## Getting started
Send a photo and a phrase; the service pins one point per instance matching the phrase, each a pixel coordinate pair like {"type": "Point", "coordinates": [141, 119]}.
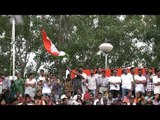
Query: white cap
{"type": "Point", "coordinates": [75, 103]}
{"type": "Point", "coordinates": [63, 96]}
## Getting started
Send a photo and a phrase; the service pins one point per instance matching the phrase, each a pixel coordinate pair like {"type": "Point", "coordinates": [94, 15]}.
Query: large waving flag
{"type": "Point", "coordinates": [50, 47]}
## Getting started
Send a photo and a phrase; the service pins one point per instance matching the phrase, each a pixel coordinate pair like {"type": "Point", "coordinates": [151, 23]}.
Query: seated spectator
{"type": "Point", "coordinates": [79, 100]}
{"type": "Point", "coordinates": [38, 93]}
{"type": "Point", "coordinates": [48, 100]}
{"type": "Point", "coordinates": [98, 102]}
{"type": "Point", "coordinates": [143, 99]}
{"type": "Point", "coordinates": [64, 101]}
{"type": "Point", "coordinates": [131, 101]}
{"type": "Point", "coordinates": [156, 100]}
{"type": "Point", "coordinates": [149, 102]}
{"type": "Point", "coordinates": [78, 93]}
{"type": "Point", "coordinates": [124, 103]}
{"type": "Point", "coordinates": [86, 95]}
{"type": "Point", "coordinates": [110, 98]}
{"type": "Point", "coordinates": [104, 100]}
{"type": "Point", "coordinates": [3, 102]}
{"type": "Point", "coordinates": [149, 96]}
{"type": "Point", "coordinates": [138, 97]}
{"type": "Point", "coordinates": [98, 99]}
{"type": "Point", "coordinates": [54, 95]}
{"type": "Point", "coordinates": [126, 98]}
{"type": "Point", "coordinates": [28, 100]}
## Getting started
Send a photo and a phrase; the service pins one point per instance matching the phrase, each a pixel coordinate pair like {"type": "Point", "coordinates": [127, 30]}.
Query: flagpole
{"type": "Point", "coordinates": [13, 44]}
{"type": "Point", "coordinates": [14, 19]}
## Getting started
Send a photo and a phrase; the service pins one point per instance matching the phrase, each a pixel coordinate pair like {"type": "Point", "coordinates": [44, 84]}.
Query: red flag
{"type": "Point", "coordinates": [49, 46]}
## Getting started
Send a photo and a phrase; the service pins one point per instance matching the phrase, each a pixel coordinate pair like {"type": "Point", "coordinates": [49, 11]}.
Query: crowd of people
{"type": "Point", "coordinates": [93, 89]}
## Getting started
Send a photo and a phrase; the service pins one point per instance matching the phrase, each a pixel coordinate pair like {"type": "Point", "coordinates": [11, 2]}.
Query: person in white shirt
{"type": "Point", "coordinates": [91, 82]}
{"type": "Point", "coordinates": [98, 75]}
{"type": "Point", "coordinates": [84, 75]}
{"type": "Point", "coordinates": [114, 82]}
{"type": "Point", "coordinates": [46, 86]}
{"type": "Point", "coordinates": [69, 97]}
{"type": "Point", "coordinates": [6, 84]}
{"type": "Point", "coordinates": [99, 98]}
{"type": "Point", "coordinates": [132, 71]}
{"type": "Point", "coordinates": [156, 81]}
{"type": "Point", "coordinates": [140, 81]}
{"type": "Point", "coordinates": [78, 94]}
{"type": "Point", "coordinates": [103, 83]}
{"type": "Point", "coordinates": [42, 76]}
{"type": "Point", "coordinates": [30, 85]}
{"type": "Point", "coordinates": [127, 81]}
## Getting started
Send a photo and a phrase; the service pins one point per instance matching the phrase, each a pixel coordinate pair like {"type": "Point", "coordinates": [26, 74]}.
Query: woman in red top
{"type": "Point", "coordinates": [138, 97]}
{"type": "Point", "coordinates": [126, 98]}
{"type": "Point", "coordinates": [86, 95]}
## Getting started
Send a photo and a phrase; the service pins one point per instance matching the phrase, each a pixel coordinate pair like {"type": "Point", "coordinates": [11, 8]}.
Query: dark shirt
{"type": "Point", "coordinates": [77, 83]}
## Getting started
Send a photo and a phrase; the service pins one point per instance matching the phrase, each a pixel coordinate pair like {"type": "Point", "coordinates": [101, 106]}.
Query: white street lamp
{"type": "Point", "coordinates": [14, 19]}
{"type": "Point", "coordinates": [106, 48]}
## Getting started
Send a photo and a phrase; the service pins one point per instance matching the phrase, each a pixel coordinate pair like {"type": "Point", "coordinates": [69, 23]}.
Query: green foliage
{"type": "Point", "coordinates": [80, 37]}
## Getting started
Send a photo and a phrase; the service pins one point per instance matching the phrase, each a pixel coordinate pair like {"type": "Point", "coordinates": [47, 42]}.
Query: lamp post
{"type": "Point", "coordinates": [19, 20]}
{"type": "Point", "coordinates": [106, 48]}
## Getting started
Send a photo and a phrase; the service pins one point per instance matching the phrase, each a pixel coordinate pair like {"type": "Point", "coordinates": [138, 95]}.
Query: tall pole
{"type": "Point", "coordinates": [13, 43]}
{"type": "Point", "coordinates": [106, 65]}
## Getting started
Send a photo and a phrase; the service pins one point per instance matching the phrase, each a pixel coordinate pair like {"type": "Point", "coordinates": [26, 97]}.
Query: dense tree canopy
{"type": "Point", "coordinates": [135, 39]}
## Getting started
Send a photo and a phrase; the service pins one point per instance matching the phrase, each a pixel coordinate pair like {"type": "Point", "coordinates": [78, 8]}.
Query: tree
{"type": "Point", "coordinates": [134, 37]}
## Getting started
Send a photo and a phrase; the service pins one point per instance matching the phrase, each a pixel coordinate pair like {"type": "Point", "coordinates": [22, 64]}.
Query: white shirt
{"type": "Point", "coordinates": [30, 90]}
{"type": "Point", "coordinates": [98, 77]}
{"type": "Point", "coordinates": [83, 82]}
{"type": "Point", "coordinates": [46, 89]}
{"type": "Point", "coordinates": [6, 83]}
{"type": "Point", "coordinates": [84, 75]}
{"type": "Point", "coordinates": [41, 78]}
{"type": "Point", "coordinates": [33, 81]}
{"type": "Point", "coordinates": [140, 87]}
{"type": "Point", "coordinates": [95, 101]}
{"type": "Point", "coordinates": [103, 81]}
{"type": "Point", "coordinates": [63, 96]}
{"type": "Point", "coordinates": [114, 79]}
{"type": "Point", "coordinates": [67, 72]}
{"type": "Point", "coordinates": [91, 82]}
{"type": "Point", "coordinates": [11, 78]}
{"type": "Point", "coordinates": [156, 88]}
{"type": "Point", "coordinates": [76, 96]}
{"type": "Point", "coordinates": [126, 81]}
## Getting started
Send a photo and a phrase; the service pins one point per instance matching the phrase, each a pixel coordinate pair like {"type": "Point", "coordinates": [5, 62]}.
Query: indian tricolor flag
{"type": "Point", "coordinates": [50, 47]}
